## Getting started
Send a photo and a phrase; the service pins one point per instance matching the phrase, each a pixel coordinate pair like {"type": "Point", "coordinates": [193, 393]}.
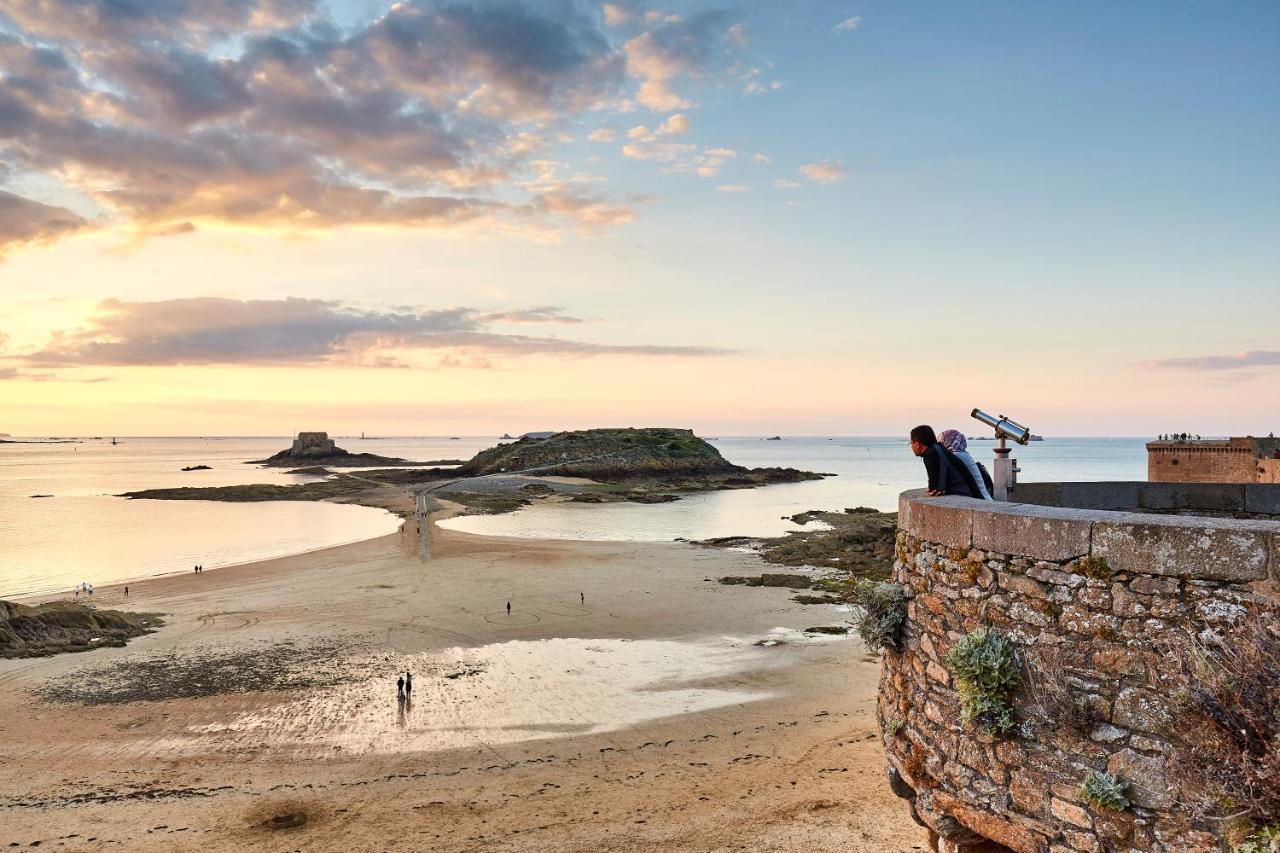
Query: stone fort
{"type": "Point", "coordinates": [312, 444]}
{"type": "Point", "coordinates": [1232, 460]}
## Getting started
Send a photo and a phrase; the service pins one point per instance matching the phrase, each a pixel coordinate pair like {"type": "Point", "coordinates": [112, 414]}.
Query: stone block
{"type": "Point", "coordinates": [1145, 774]}
{"type": "Point", "coordinates": [1216, 549]}
{"type": "Point", "coordinates": [1215, 497]}
{"type": "Point", "coordinates": [1154, 586]}
{"type": "Point", "coordinates": [1032, 531]}
{"type": "Point", "coordinates": [1048, 574]}
{"type": "Point", "coordinates": [946, 521]}
{"type": "Point", "coordinates": [1023, 585]}
{"type": "Point", "coordinates": [984, 824]}
{"type": "Point", "coordinates": [1143, 710]}
{"type": "Point", "coordinates": [1262, 497]}
{"type": "Point", "coordinates": [1070, 813]}
{"type": "Point", "coordinates": [1111, 497]}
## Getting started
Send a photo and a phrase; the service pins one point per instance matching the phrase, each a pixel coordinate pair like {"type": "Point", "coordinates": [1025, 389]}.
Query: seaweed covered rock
{"type": "Point", "coordinates": [48, 629]}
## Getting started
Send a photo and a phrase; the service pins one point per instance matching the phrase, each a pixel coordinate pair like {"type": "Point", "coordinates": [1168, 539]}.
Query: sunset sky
{"type": "Point", "coordinates": [261, 216]}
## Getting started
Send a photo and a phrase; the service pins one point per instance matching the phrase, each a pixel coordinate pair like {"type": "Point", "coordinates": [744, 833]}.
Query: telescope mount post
{"type": "Point", "coordinates": [1005, 475]}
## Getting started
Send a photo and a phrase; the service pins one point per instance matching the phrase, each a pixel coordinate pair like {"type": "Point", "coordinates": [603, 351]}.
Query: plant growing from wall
{"type": "Point", "coordinates": [1262, 839]}
{"type": "Point", "coordinates": [1104, 791]}
{"type": "Point", "coordinates": [884, 608]}
{"type": "Point", "coordinates": [1095, 567]}
{"type": "Point", "coordinates": [985, 667]}
{"type": "Point", "coordinates": [1227, 741]}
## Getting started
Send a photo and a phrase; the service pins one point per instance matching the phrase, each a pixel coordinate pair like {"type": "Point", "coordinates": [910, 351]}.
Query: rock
{"type": "Point", "coordinates": [197, 468]}
{"type": "Point", "coordinates": [791, 581]}
{"type": "Point", "coordinates": [54, 627]}
{"type": "Point", "coordinates": [1150, 789]}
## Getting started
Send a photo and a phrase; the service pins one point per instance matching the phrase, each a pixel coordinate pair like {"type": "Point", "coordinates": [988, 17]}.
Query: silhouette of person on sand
{"type": "Point", "coordinates": [408, 684]}
{"type": "Point", "coordinates": [508, 608]}
{"type": "Point", "coordinates": [400, 687]}
{"type": "Point", "coordinates": [582, 596]}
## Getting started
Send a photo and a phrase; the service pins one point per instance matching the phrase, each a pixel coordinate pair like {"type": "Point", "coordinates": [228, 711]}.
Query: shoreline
{"type": "Point", "coordinates": [794, 765]}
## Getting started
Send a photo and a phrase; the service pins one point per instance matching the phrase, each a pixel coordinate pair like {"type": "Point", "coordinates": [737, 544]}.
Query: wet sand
{"type": "Point", "coordinates": [264, 715]}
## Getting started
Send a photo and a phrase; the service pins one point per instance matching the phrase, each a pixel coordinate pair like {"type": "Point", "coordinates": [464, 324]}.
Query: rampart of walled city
{"type": "Point", "coordinates": [1232, 460]}
{"type": "Point", "coordinates": [1103, 599]}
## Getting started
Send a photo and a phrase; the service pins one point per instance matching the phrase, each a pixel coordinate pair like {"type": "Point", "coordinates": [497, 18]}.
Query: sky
{"type": "Point", "coordinates": [231, 217]}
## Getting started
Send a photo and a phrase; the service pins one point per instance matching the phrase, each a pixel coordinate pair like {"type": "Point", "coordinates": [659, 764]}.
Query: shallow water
{"type": "Point", "coordinates": [509, 692]}
{"type": "Point", "coordinates": [871, 472]}
{"type": "Point", "coordinates": [83, 533]}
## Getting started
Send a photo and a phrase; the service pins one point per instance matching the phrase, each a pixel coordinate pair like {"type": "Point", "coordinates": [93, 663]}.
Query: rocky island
{"type": "Point", "coordinates": [645, 465]}
{"type": "Point", "coordinates": [316, 448]}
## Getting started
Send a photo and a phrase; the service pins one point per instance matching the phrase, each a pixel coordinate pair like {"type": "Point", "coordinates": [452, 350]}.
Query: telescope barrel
{"type": "Point", "coordinates": [1004, 427]}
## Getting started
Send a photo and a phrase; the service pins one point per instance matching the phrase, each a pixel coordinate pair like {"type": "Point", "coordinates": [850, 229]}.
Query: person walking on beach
{"type": "Point", "coordinates": [947, 474]}
{"type": "Point", "coordinates": [126, 592]}
{"type": "Point", "coordinates": [508, 608]}
{"type": "Point", "coordinates": [582, 597]}
{"type": "Point", "coordinates": [408, 683]}
{"type": "Point", "coordinates": [400, 687]}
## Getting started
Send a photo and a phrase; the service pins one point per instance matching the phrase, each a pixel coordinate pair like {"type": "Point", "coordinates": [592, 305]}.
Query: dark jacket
{"type": "Point", "coordinates": [948, 474]}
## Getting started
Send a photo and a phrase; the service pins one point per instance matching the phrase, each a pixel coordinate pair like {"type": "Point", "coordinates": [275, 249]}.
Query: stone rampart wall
{"type": "Point", "coordinates": [1097, 604]}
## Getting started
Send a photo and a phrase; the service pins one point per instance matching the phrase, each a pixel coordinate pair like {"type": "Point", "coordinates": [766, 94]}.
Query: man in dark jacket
{"type": "Point", "coordinates": [947, 474]}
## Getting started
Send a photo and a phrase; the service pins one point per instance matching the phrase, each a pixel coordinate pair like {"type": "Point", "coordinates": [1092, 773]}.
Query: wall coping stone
{"type": "Point", "coordinates": [1203, 547]}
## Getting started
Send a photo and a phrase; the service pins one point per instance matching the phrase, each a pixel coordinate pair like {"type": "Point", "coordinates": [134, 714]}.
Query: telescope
{"type": "Point", "coordinates": [1004, 476]}
{"type": "Point", "coordinates": [1004, 427]}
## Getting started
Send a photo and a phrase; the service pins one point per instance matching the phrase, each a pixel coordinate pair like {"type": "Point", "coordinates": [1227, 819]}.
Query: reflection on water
{"type": "Point", "coordinates": [506, 692]}
{"type": "Point", "coordinates": [80, 532]}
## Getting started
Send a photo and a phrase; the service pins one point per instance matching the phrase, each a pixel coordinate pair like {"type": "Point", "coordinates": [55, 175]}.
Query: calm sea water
{"type": "Point", "coordinates": [84, 533]}
{"type": "Point", "coordinates": [872, 472]}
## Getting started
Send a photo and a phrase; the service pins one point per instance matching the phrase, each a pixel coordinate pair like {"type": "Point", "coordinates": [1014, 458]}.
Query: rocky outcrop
{"type": "Point", "coordinates": [55, 627]}
{"type": "Point", "coordinates": [675, 457]}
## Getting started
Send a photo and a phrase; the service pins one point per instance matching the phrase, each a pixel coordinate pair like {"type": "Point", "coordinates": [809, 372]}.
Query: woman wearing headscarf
{"type": "Point", "coordinates": [954, 440]}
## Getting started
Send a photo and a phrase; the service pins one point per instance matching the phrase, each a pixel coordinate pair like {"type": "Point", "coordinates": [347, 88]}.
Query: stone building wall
{"type": "Point", "coordinates": [1235, 460]}
{"type": "Point", "coordinates": [1093, 601]}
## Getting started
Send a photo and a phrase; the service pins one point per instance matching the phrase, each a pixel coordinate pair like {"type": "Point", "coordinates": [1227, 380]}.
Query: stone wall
{"type": "Point", "coordinates": [1235, 460]}
{"type": "Point", "coordinates": [1097, 604]}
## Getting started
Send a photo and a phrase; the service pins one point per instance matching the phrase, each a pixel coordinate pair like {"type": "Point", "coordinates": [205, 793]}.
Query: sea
{"type": "Point", "coordinates": [63, 524]}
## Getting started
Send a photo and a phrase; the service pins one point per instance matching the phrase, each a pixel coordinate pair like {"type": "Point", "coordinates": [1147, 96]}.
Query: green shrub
{"type": "Point", "coordinates": [1105, 791]}
{"type": "Point", "coordinates": [884, 607]}
{"type": "Point", "coordinates": [892, 727]}
{"type": "Point", "coordinates": [985, 667]}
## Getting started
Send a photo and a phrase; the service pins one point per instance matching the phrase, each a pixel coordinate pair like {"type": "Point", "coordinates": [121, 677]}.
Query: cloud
{"type": "Point", "coordinates": [732, 188]}
{"type": "Point", "coordinates": [677, 47]}
{"type": "Point", "coordinates": [675, 125]}
{"type": "Point", "coordinates": [173, 114]}
{"type": "Point", "coordinates": [305, 332]}
{"type": "Point", "coordinates": [825, 172]}
{"type": "Point", "coordinates": [25, 221]}
{"type": "Point", "coordinates": [603, 134]}
{"type": "Point", "coordinates": [848, 25]}
{"type": "Point", "coordinates": [1236, 361]}
{"type": "Point", "coordinates": [783, 184]}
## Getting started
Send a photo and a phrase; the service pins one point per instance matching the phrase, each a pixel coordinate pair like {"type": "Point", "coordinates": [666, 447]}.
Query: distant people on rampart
{"type": "Point", "coordinates": [947, 474]}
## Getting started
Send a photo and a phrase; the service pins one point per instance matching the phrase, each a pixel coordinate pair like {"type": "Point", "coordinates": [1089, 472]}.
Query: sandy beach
{"type": "Point", "coordinates": [627, 702]}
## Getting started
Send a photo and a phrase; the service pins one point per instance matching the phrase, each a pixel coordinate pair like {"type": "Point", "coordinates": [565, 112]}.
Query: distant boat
{"type": "Point", "coordinates": [114, 442]}
{"type": "Point", "coordinates": [774, 438]}
{"type": "Point", "coordinates": [454, 438]}
{"type": "Point", "coordinates": [1037, 438]}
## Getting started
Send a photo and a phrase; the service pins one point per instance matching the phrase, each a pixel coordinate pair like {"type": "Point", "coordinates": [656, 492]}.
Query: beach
{"type": "Point", "coordinates": [627, 702]}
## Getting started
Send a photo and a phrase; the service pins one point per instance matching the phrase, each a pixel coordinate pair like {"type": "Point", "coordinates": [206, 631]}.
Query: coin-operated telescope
{"type": "Point", "coordinates": [1005, 474]}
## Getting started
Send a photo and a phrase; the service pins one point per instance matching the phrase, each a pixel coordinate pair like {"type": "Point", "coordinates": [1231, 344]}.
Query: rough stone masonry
{"type": "Point", "coordinates": [1097, 603]}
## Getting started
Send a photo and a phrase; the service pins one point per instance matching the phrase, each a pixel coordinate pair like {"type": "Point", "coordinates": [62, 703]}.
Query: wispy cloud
{"type": "Point", "coordinates": [306, 332]}
{"type": "Point", "coordinates": [1236, 361]}
{"type": "Point", "coordinates": [732, 188]}
{"type": "Point", "coordinates": [848, 25]}
{"type": "Point", "coordinates": [825, 172]}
